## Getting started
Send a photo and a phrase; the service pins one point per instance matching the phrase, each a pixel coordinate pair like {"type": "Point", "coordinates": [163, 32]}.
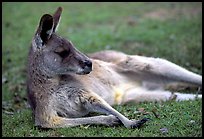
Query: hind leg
{"type": "Point", "coordinates": [156, 70]}
{"type": "Point", "coordinates": [144, 95]}
{"type": "Point", "coordinates": [151, 69]}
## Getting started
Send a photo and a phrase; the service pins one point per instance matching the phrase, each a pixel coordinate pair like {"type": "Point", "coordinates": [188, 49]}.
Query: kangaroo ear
{"type": "Point", "coordinates": [56, 17]}
{"type": "Point", "coordinates": [44, 30]}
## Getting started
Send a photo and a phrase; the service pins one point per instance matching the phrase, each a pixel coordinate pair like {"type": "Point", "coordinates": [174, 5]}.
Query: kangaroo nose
{"type": "Point", "coordinates": [88, 63]}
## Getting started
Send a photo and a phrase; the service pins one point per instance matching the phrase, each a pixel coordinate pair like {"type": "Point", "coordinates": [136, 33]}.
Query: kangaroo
{"type": "Point", "coordinates": [65, 85]}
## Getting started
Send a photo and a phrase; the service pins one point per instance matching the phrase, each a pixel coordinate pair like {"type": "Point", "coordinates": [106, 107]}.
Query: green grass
{"type": "Point", "coordinates": [169, 30]}
{"type": "Point", "coordinates": [181, 119]}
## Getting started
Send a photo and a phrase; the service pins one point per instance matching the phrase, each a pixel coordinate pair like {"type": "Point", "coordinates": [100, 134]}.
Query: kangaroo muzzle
{"type": "Point", "coordinates": [85, 67]}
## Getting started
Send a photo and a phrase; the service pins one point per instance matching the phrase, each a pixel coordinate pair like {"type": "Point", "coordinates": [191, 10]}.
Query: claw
{"type": "Point", "coordinates": [140, 123]}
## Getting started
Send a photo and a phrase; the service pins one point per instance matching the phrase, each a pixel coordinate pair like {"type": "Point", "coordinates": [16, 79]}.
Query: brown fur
{"type": "Point", "coordinates": [64, 85]}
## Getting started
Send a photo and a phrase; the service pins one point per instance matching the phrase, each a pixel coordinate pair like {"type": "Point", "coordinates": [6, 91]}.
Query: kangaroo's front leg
{"type": "Point", "coordinates": [60, 122]}
{"type": "Point", "coordinates": [108, 120]}
{"type": "Point", "coordinates": [66, 109]}
{"type": "Point", "coordinates": [49, 118]}
{"type": "Point", "coordinates": [95, 103]}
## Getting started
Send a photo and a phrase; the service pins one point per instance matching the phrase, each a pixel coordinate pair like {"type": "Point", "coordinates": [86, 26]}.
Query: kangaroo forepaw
{"type": "Point", "coordinates": [139, 123]}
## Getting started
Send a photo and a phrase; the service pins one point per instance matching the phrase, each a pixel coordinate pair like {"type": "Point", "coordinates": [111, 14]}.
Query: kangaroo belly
{"type": "Point", "coordinates": [121, 90]}
{"type": "Point", "coordinates": [115, 94]}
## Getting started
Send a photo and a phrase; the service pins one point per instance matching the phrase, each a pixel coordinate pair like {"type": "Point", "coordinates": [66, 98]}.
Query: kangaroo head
{"type": "Point", "coordinates": [56, 54]}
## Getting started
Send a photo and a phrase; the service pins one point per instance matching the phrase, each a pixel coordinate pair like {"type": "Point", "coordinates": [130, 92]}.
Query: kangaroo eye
{"type": "Point", "coordinates": [59, 49]}
{"type": "Point", "coordinates": [62, 52]}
